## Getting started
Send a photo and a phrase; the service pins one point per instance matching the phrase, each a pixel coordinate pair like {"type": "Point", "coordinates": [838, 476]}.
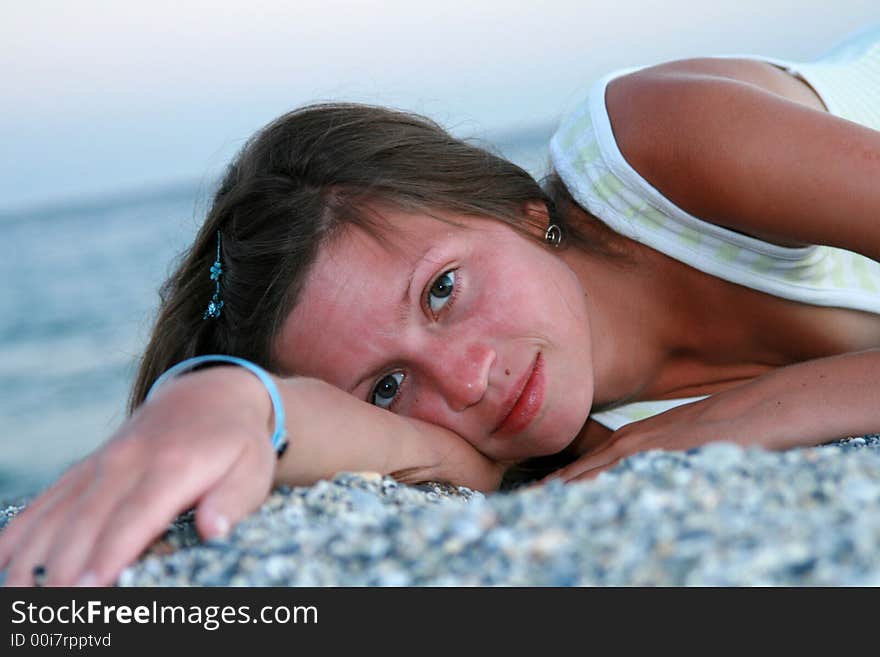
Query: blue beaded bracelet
{"type": "Point", "coordinates": [279, 438]}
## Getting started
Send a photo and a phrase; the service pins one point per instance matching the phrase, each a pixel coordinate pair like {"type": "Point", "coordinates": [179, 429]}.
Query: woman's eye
{"type": "Point", "coordinates": [441, 289]}
{"type": "Point", "coordinates": [386, 390]}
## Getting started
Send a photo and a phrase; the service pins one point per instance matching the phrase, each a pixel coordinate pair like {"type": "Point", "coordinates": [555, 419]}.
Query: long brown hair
{"type": "Point", "coordinates": [291, 188]}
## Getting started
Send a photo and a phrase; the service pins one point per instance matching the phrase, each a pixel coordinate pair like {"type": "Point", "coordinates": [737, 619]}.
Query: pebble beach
{"type": "Point", "coordinates": [719, 515]}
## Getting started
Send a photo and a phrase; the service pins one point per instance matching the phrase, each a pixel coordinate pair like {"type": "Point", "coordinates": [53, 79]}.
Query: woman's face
{"type": "Point", "coordinates": [473, 327]}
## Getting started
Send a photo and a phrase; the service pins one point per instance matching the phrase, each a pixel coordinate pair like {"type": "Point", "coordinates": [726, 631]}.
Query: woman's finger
{"type": "Point", "coordinates": [85, 520]}
{"type": "Point", "coordinates": [146, 512]}
{"type": "Point", "coordinates": [44, 526]}
{"type": "Point", "coordinates": [566, 472]}
{"type": "Point", "coordinates": [236, 495]}
{"type": "Point", "coordinates": [18, 527]}
{"type": "Point", "coordinates": [577, 469]}
{"type": "Point", "coordinates": [594, 472]}
{"type": "Point", "coordinates": [587, 462]}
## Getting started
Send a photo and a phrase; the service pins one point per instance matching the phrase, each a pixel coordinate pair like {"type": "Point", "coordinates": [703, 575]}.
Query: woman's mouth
{"type": "Point", "coordinates": [526, 402]}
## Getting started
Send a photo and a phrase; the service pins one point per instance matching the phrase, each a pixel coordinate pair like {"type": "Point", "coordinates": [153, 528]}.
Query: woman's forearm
{"type": "Point", "coordinates": [806, 403]}
{"type": "Point", "coordinates": [330, 431]}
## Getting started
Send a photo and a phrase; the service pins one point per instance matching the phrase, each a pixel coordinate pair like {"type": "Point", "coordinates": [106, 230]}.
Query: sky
{"type": "Point", "coordinates": [105, 97]}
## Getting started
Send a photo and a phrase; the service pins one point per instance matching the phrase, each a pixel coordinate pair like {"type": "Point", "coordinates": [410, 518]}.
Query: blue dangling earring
{"type": "Point", "coordinates": [216, 303]}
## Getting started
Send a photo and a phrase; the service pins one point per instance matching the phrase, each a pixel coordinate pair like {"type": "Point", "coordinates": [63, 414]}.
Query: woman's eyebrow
{"type": "Point", "coordinates": [404, 308]}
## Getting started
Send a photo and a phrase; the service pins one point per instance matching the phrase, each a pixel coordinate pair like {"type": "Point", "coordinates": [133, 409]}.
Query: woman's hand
{"type": "Point", "coordinates": [796, 406]}
{"type": "Point", "coordinates": [202, 441]}
{"type": "Point", "coordinates": [680, 428]}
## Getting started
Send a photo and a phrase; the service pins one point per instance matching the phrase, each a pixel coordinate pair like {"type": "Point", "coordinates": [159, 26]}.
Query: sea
{"type": "Point", "coordinates": [78, 293]}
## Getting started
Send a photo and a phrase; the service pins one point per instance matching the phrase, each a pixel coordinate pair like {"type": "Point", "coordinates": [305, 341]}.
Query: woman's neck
{"type": "Point", "coordinates": [654, 327]}
{"type": "Point", "coordinates": [625, 323]}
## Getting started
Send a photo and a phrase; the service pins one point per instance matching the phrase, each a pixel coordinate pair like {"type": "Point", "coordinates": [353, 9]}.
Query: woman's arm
{"type": "Point", "coordinates": [202, 441]}
{"type": "Point", "coordinates": [331, 431]}
{"type": "Point", "coordinates": [800, 405]}
{"type": "Point", "coordinates": [733, 143]}
{"type": "Point", "coordinates": [739, 149]}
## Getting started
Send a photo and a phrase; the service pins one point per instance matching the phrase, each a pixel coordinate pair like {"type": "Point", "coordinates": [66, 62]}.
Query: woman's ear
{"type": "Point", "coordinates": [537, 217]}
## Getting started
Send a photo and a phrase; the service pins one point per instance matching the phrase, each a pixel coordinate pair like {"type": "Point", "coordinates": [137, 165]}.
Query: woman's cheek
{"type": "Point", "coordinates": [430, 407]}
{"type": "Point", "coordinates": [416, 406]}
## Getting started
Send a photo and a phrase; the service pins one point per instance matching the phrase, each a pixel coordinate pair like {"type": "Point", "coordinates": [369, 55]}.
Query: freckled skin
{"type": "Point", "coordinates": [513, 298]}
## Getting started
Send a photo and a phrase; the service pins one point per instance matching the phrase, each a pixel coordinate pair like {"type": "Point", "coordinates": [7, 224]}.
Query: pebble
{"type": "Point", "coordinates": [717, 515]}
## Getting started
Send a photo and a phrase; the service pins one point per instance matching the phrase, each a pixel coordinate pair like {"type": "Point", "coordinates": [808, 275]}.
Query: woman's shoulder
{"type": "Point", "coordinates": [692, 128]}
{"type": "Point", "coordinates": [639, 90]}
{"type": "Point", "coordinates": [661, 137]}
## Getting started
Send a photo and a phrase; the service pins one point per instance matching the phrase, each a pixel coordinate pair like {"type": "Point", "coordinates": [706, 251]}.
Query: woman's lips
{"type": "Point", "coordinates": [527, 404]}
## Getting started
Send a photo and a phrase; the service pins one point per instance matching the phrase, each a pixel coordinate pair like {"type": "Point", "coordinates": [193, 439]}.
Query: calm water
{"type": "Point", "coordinates": [78, 292]}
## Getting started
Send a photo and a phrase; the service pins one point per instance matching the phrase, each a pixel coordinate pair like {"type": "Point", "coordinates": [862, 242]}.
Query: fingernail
{"type": "Point", "coordinates": [89, 579]}
{"type": "Point", "coordinates": [221, 526]}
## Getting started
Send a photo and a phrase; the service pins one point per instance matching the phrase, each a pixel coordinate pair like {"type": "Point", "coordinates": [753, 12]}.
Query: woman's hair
{"type": "Point", "coordinates": [294, 185]}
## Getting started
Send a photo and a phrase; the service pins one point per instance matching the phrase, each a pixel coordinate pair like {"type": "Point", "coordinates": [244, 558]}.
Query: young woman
{"type": "Point", "coordinates": [701, 265]}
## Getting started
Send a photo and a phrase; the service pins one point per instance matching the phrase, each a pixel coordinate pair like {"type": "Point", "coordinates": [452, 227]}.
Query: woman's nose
{"type": "Point", "coordinates": [462, 373]}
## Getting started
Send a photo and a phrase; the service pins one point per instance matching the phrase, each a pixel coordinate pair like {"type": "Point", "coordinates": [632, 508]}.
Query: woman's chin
{"type": "Point", "coordinates": [534, 446]}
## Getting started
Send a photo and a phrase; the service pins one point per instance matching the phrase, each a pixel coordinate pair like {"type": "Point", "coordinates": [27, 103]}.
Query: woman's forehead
{"type": "Point", "coordinates": [354, 287]}
{"type": "Point", "coordinates": [397, 238]}
{"type": "Point", "coordinates": [362, 252]}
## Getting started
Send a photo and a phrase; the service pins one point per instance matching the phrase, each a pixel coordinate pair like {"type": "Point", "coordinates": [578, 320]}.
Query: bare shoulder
{"type": "Point", "coordinates": [703, 130]}
{"type": "Point", "coordinates": [703, 71]}
{"type": "Point", "coordinates": [654, 111]}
